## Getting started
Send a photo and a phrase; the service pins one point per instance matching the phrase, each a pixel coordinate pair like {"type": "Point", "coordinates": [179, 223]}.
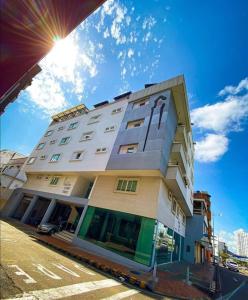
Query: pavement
{"type": "Point", "coordinates": [232, 285]}
{"type": "Point", "coordinates": [44, 258]}
{"type": "Point", "coordinates": [30, 270]}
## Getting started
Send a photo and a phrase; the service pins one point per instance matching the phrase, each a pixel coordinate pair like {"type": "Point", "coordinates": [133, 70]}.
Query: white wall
{"type": "Point", "coordinates": [91, 161]}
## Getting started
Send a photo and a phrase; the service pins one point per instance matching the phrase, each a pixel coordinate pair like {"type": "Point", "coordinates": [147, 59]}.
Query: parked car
{"type": "Point", "coordinates": [47, 228]}
{"type": "Point", "coordinates": [233, 266]}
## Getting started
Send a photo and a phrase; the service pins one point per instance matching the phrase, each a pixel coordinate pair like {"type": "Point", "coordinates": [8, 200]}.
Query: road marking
{"type": "Point", "coordinates": [122, 295]}
{"type": "Point", "coordinates": [68, 290]}
{"type": "Point", "coordinates": [20, 272]}
{"type": "Point", "coordinates": [83, 269]}
{"type": "Point", "coordinates": [47, 272]}
{"type": "Point", "coordinates": [65, 269]}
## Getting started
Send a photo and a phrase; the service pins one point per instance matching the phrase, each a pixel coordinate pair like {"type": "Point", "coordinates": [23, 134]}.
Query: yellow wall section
{"type": "Point", "coordinates": [144, 202]}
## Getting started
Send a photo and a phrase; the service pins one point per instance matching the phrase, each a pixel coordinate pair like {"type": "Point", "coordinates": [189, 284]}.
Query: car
{"type": "Point", "coordinates": [232, 266]}
{"type": "Point", "coordinates": [47, 228]}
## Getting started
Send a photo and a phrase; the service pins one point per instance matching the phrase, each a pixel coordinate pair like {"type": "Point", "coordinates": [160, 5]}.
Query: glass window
{"type": "Point", "coordinates": [87, 136]}
{"type": "Point", "coordinates": [125, 149]}
{"type": "Point", "coordinates": [140, 103]}
{"type": "Point", "coordinates": [174, 205]}
{"type": "Point", "coordinates": [60, 128]}
{"type": "Point", "coordinates": [126, 185]}
{"type": "Point", "coordinates": [40, 146]}
{"type": "Point", "coordinates": [49, 132]}
{"type": "Point", "coordinates": [52, 142]}
{"type": "Point", "coordinates": [77, 155]}
{"type": "Point", "coordinates": [164, 244]}
{"type": "Point", "coordinates": [110, 128]}
{"type": "Point", "coordinates": [42, 157]}
{"type": "Point", "coordinates": [31, 160]}
{"type": "Point", "coordinates": [73, 125]}
{"type": "Point", "coordinates": [116, 110]}
{"type": "Point", "coordinates": [94, 119]}
{"type": "Point", "coordinates": [54, 180]}
{"type": "Point", "coordinates": [136, 123]}
{"type": "Point", "coordinates": [125, 234]}
{"type": "Point", "coordinates": [55, 157]}
{"type": "Point", "coordinates": [101, 150]}
{"type": "Point", "coordinates": [65, 140]}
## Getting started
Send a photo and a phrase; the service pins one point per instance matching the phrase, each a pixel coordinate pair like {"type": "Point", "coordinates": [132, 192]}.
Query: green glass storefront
{"type": "Point", "coordinates": [125, 234]}
{"type": "Point", "coordinates": [131, 236]}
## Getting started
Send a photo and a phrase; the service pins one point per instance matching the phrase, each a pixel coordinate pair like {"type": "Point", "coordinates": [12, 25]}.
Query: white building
{"type": "Point", "coordinates": [118, 177]}
{"type": "Point", "coordinates": [242, 241]}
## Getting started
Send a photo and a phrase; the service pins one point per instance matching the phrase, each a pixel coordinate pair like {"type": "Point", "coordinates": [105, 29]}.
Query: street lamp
{"type": "Point", "coordinates": [218, 215]}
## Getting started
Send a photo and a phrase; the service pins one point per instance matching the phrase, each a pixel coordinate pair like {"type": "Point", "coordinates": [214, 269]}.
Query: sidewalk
{"type": "Point", "coordinates": [170, 279]}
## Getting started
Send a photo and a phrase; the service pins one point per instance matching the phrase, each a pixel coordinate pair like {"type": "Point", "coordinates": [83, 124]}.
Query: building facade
{"type": "Point", "coordinates": [118, 177]}
{"type": "Point", "coordinates": [242, 241]}
{"type": "Point", "coordinates": [198, 246]}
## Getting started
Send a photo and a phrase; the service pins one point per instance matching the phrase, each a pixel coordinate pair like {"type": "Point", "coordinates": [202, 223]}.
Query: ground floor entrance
{"type": "Point", "coordinates": [22, 207]}
{"type": "Point", "coordinates": [38, 211]}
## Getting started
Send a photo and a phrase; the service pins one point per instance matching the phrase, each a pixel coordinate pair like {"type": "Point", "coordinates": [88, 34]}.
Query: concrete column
{"type": "Point", "coordinates": [80, 221]}
{"type": "Point", "coordinates": [29, 209]}
{"type": "Point", "coordinates": [12, 203]}
{"type": "Point", "coordinates": [48, 211]}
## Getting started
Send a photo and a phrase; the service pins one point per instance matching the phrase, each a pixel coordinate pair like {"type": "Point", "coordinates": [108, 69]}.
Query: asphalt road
{"type": "Point", "coordinates": [30, 270]}
{"type": "Point", "coordinates": [234, 286]}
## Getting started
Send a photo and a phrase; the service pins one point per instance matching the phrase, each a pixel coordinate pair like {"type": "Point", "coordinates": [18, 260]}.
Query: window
{"type": "Point", "coordinates": [54, 180]}
{"type": "Point", "coordinates": [126, 185]}
{"type": "Point", "coordinates": [65, 140]}
{"type": "Point", "coordinates": [184, 219]}
{"type": "Point", "coordinates": [136, 123]}
{"type": "Point", "coordinates": [174, 205]}
{"type": "Point", "coordinates": [55, 157]}
{"type": "Point", "coordinates": [77, 155]}
{"type": "Point", "coordinates": [31, 160]}
{"type": "Point", "coordinates": [116, 110]}
{"type": "Point", "coordinates": [42, 157]}
{"type": "Point", "coordinates": [49, 132]}
{"type": "Point", "coordinates": [40, 146]}
{"type": "Point", "coordinates": [87, 136]}
{"type": "Point", "coordinates": [140, 103]}
{"type": "Point", "coordinates": [178, 211]}
{"type": "Point", "coordinates": [101, 150]}
{"type": "Point", "coordinates": [110, 128]}
{"type": "Point", "coordinates": [73, 125]}
{"type": "Point", "coordinates": [39, 177]}
{"type": "Point", "coordinates": [60, 128]}
{"type": "Point", "coordinates": [94, 119]}
{"type": "Point", "coordinates": [52, 142]}
{"type": "Point", "coordinates": [125, 149]}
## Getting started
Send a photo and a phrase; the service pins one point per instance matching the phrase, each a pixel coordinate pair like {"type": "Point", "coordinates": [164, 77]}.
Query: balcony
{"type": "Point", "coordinates": [178, 156]}
{"type": "Point", "coordinates": [174, 180]}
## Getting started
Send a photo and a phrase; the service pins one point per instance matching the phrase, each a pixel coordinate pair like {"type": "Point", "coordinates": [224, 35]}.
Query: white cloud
{"type": "Point", "coordinates": [230, 89]}
{"type": "Point", "coordinates": [130, 53]}
{"type": "Point", "coordinates": [217, 120]}
{"type": "Point", "coordinates": [148, 23]}
{"type": "Point", "coordinates": [230, 238]}
{"type": "Point", "coordinates": [211, 148]}
{"type": "Point", "coordinates": [222, 116]}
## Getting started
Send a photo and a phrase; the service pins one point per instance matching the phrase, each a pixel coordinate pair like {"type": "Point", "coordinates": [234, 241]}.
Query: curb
{"type": "Point", "coordinates": [120, 275]}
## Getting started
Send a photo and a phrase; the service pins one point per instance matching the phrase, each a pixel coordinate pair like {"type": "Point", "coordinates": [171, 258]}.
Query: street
{"type": "Point", "coordinates": [234, 286]}
{"type": "Point", "coordinates": [30, 270]}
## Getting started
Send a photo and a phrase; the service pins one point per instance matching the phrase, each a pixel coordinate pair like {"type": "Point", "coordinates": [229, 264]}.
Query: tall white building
{"type": "Point", "coordinates": [242, 240]}
{"type": "Point", "coordinates": [118, 177]}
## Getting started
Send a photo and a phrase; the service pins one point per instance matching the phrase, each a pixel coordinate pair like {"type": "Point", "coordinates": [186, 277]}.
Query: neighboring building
{"type": "Point", "coordinates": [242, 241]}
{"type": "Point", "coordinates": [198, 246]}
{"type": "Point", "coordinates": [12, 176]}
{"type": "Point", "coordinates": [222, 247]}
{"type": "Point", "coordinates": [6, 155]}
{"type": "Point", "coordinates": [118, 178]}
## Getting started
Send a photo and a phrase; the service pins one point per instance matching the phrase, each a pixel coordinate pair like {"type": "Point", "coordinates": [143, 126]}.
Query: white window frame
{"type": "Point", "coordinates": [74, 127]}
{"type": "Point", "coordinates": [94, 119]}
{"type": "Point", "coordinates": [110, 128]}
{"type": "Point", "coordinates": [65, 137]}
{"type": "Point", "coordinates": [174, 201]}
{"type": "Point", "coordinates": [54, 161]}
{"type": "Point", "coordinates": [136, 106]}
{"type": "Point", "coordinates": [131, 146]}
{"type": "Point", "coordinates": [43, 145]}
{"type": "Point", "coordinates": [135, 121]}
{"type": "Point", "coordinates": [89, 133]}
{"type": "Point", "coordinates": [101, 150]}
{"type": "Point", "coordinates": [128, 179]}
{"type": "Point", "coordinates": [31, 160]}
{"type": "Point", "coordinates": [116, 110]}
{"type": "Point", "coordinates": [49, 133]}
{"type": "Point", "coordinates": [81, 156]}
{"type": "Point", "coordinates": [54, 178]}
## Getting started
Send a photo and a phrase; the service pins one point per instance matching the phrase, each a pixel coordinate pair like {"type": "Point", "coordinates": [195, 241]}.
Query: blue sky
{"type": "Point", "coordinates": [126, 44]}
